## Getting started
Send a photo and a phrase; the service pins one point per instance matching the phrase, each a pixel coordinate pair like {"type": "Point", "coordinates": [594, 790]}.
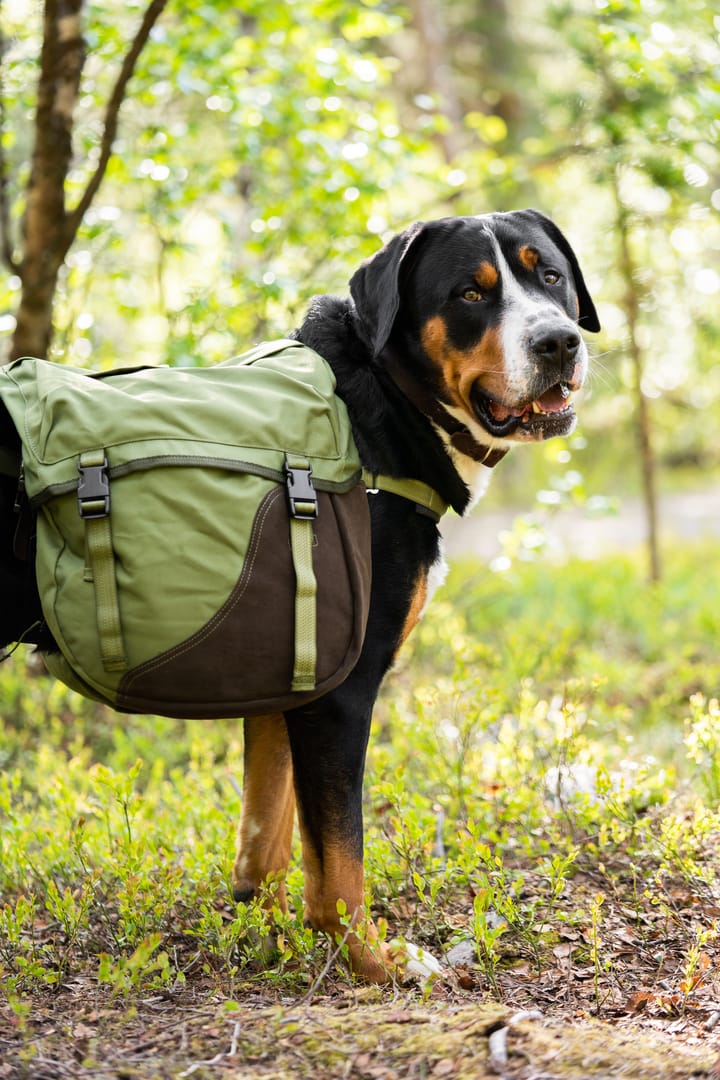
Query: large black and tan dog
{"type": "Point", "coordinates": [460, 338]}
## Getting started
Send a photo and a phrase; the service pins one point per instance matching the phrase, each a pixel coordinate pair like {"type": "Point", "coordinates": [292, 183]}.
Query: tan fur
{"type": "Point", "coordinates": [341, 877]}
{"type": "Point", "coordinates": [486, 276]}
{"type": "Point", "coordinates": [417, 606]}
{"type": "Point", "coordinates": [460, 370]}
{"type": "Point", "coordinates": [266, 824]}
{"type": "Point", "coordinates": [264, 842]}
{"type": "Point", "coordinates": [528, 257]}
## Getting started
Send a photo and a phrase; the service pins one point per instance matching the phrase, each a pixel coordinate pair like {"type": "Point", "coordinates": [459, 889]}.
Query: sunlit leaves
{"type": "Point", "coordinates": [258, 155]}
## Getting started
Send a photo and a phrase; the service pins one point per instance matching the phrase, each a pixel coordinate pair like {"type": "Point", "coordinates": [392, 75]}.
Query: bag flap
{"type": "Point", "coordinates": [253, 410]}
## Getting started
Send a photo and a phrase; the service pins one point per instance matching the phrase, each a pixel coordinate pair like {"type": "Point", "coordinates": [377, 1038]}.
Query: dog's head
{"type": "Point", "coordinates": [483, 312]}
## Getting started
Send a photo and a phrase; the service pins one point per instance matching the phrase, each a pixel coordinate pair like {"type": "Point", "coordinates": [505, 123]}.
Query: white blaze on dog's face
{"type": "Point", "coordinates": [502, 299]}
{"type": "Point", "coordinates": [530, 320]}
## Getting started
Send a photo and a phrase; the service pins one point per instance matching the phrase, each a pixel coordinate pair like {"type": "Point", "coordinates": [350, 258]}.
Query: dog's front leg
{"type": "Point", "coordinates": [265, 833]}
{"type": "Point", "coordinates": [328, 740]}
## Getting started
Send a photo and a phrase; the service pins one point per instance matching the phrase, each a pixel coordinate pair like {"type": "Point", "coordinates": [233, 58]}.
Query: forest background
{"type": "Point", "coordinates": [262, 150]}
{"type": "Point", "coordinates": [176, 180]}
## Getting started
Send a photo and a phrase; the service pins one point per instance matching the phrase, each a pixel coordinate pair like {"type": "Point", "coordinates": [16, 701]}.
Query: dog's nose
{"type": "Point", "coordinates": [557, 346]}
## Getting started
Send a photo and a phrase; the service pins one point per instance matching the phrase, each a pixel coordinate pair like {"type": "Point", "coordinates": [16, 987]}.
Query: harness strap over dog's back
{"type": "Point", "coordinates": [425, 498]}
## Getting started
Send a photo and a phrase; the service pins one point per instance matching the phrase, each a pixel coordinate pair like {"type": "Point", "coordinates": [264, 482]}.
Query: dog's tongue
{"type": "Point", "coordinates": [554, 399]}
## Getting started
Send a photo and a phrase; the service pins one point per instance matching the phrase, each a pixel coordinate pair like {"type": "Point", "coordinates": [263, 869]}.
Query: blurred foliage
{"type": "Point", "coordinates": [264, 150]}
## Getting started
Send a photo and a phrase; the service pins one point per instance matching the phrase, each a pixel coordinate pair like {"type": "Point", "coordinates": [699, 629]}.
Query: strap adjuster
{"type": "Point", "coordinates": [302, 496]}
{"type": "Point", "coordinates": [93, 492]}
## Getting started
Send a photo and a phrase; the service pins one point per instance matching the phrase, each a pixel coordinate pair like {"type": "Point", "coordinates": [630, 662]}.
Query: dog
{"type": "Point", "coordinates": [459, 338]}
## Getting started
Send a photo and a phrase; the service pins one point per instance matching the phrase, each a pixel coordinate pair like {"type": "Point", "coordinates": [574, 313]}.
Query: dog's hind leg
{"type": "Point", "coordinates": [266, 823]}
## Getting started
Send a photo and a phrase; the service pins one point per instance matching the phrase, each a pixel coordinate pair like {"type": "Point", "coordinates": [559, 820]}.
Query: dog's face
{"type": "Point", "coordinates": [484, 311]}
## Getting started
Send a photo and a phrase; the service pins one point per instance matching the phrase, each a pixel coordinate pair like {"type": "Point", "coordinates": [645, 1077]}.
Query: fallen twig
{"type": "Point", "coordinates": [497, 1042]}
{"type": "Point", "coordinates": [231, 1053]}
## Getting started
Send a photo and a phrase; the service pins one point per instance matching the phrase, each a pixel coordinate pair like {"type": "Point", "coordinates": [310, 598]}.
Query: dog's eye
{"type": "Point", "coordinates": [472, 296]}
{"type": "Point", "coordinates": [552, 277]}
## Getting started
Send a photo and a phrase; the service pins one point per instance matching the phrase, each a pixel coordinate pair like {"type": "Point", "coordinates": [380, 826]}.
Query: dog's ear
{"type": "Point", "coordinates": [375, 287]}
{"type": "Point", "coordinates": [588, 317]}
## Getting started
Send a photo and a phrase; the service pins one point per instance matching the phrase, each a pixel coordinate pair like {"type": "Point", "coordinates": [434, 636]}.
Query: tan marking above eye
{"type": "Point", "coordinates": [434, 337]}
{"type": "Point", "coordinates": [486, 276]}
{"type": "Point", "coordinates": [529, 257]}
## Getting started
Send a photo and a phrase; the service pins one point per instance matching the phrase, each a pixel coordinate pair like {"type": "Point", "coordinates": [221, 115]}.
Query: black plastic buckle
{"type": "Point", "coordinates": [301, 493]}
{"type": "Point", "coordinates": [94, 491]}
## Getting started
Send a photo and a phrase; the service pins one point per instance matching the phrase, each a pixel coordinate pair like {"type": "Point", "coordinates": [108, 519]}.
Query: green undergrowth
{"type": "Point", "coordinates": [548, 747]}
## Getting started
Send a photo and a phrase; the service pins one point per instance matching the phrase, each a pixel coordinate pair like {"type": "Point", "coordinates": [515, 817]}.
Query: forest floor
{"type": "Point", "coordinates": [583, 944]}
{"type": "Point", "coordinates": [362, 1034]}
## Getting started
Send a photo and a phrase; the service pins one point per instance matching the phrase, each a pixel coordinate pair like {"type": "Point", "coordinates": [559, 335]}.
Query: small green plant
{"type": "Point", "coordinates": [429, 888]}
{"type": "Point", "coordinates": [24, 962]}
{"type": "Point", "coordinates": [145, 967]}
{"type": "Point", "coordinates": [71, 910]}
{"type": "Point", "coordinates": [488, 925]}
{"type": "Point", "coordinates": [698, 962]}
{"type": "Point", "coordinates": [600, 966]}
{"type": "Point", "coordinates": [702, 744]}
{"type": "Point", "coordinates": [684, 839]}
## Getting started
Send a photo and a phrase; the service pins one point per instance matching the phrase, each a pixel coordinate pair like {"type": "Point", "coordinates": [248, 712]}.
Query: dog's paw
{"type": "Point", "coordinates": [414, 962]}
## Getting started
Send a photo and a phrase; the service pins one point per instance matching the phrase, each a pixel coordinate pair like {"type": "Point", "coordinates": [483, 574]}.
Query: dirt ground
{"type": "Point", "coordinates": [364, 1035]}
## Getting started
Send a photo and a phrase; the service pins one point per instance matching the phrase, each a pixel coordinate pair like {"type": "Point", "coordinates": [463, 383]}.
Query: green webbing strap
{"type": "Point", "coordinates": [94, 507]}
{"type": "Point", "coordinates": [303, 511]}
{"type": "Point", "coordinates": [414, 490]}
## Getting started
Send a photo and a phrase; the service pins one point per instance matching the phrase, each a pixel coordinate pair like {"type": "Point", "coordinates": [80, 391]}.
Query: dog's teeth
{"type": "Point", "coordinates": [564, 390]}
{"type": "Point", "coordinates": [535, 407]}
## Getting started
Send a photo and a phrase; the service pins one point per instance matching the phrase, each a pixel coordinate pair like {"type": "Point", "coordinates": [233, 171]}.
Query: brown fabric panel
{"type": "Point", "coordinates": [353, 514]}
{"type": "Point", "coordinates": [341, 560]}
{"type": "Point", "coordinates": [241, 662]}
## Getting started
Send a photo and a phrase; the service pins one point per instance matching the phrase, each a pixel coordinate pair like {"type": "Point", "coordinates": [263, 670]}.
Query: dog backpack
{"type": "Point", "coordinates": [203, 537]}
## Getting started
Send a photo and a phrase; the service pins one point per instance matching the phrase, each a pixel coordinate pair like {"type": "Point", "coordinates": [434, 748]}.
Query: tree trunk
{"type": "Point", "coordinates": [505, 64]}
{"type": "Point", "coordinates": [642, 409]}
{"type": "Point", "coordinates": [438, 69]}
{"type": "Point", "coordinates": [45, 241]}
{"type": "Point", "coordinates": [49, 226]}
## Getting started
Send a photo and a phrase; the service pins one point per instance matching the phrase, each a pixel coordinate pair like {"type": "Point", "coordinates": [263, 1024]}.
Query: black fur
{"type": "Point", "coordinates": [20, 612]}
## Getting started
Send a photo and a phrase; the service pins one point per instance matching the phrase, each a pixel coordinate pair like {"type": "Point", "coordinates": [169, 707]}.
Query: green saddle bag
{"type": "Point", "coordinates": [203, 535]}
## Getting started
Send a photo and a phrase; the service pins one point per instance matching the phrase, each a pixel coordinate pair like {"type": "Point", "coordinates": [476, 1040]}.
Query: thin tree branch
{"type": "Point", "coordinates": [74, 217]}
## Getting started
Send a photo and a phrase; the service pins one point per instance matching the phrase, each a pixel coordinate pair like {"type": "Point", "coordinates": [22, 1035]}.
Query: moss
{"type": "Point", "coordinates": [376, 1041]}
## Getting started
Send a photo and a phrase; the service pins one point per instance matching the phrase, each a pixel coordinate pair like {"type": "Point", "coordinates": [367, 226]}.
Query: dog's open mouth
{"type": "Point", "coordinates": [548, 415]}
